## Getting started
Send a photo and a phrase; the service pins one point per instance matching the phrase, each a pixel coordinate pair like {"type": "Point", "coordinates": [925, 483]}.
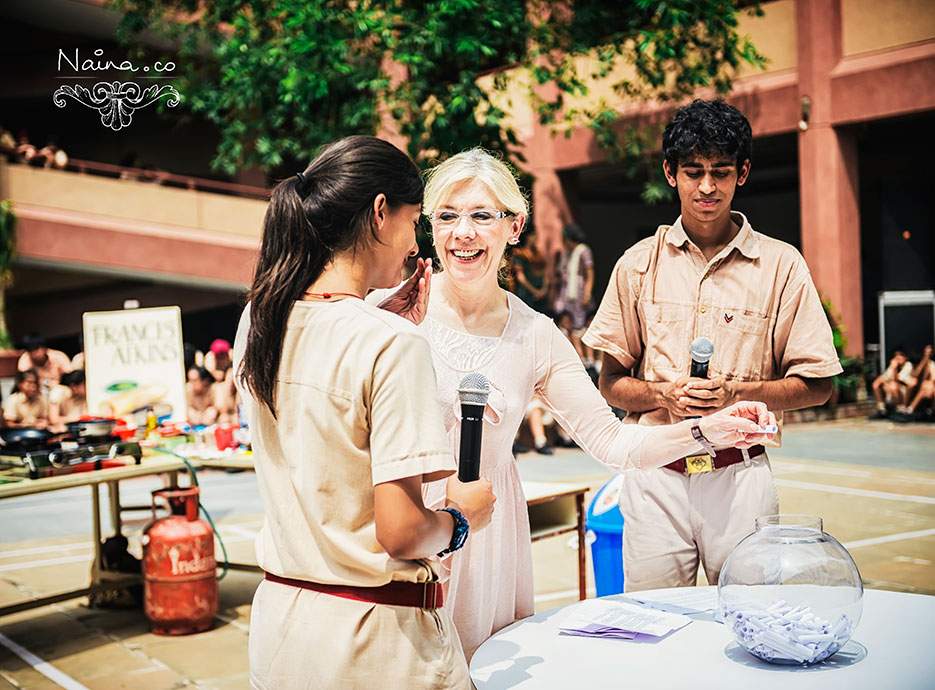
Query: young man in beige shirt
{"type": "Point", "coordinates": [709, 274]}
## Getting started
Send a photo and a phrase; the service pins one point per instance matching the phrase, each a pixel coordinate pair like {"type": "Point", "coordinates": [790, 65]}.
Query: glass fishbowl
{"type": "Point", "coordinates": [789, 592]}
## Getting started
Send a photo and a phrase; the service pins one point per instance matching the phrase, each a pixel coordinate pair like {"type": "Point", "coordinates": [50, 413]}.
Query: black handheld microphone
{"type": "Point", "coordinates": [701, 350]}
{"type": "Point", "coordinates": [472, 391]}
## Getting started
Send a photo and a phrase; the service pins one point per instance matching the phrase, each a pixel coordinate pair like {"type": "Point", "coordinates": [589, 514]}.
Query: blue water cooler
{"type": "Point", "coordinates": [605, 532]}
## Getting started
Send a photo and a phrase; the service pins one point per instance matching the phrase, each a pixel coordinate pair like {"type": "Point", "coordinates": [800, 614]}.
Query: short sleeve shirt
{"type": "Point", "coordinates": [19, 409]}
{"type": "Point", "coordinates": [72, 408]}
{"type": "Point", "coordinates": [755, 301]}
{"type": "Point", "coordinates": [357, 406]}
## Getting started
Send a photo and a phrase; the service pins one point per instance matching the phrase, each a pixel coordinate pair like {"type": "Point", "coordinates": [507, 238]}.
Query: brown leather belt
{"type": "Point", "coordinates": [724, 458]}
{"type": "Point", "coordinates": [424, 595]}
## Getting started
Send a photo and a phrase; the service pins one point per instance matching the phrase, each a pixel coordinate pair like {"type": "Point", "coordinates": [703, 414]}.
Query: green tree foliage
{"type": "Point", "coordinates": [7, 256]}
{"type": "Point", "coordinates": [280, 77]}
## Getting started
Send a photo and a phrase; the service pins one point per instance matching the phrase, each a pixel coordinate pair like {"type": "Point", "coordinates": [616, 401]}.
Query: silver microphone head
{"type": "Point", "coordinates": [701, 349]}
{"type": "Point", "coordinates": [474, 389]}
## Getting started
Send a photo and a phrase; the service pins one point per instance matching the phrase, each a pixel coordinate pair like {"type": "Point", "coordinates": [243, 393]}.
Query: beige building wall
{"type": "Point", "coordinates": [773, 34]}
{"type": "Point", "coordinates": [132, 202]}
{"type": "Point", "coordinates": [871, 25]}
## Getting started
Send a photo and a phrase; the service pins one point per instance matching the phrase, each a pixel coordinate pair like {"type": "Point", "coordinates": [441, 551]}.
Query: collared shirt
{"type": "Point", "coordinates": [356, 406]}
{"type": "Point", "coordinates": [901, 374]}
{"type": "Point", "coordinates": [21, 410]}
{"type": "Point", "coordinates": [755, 301]}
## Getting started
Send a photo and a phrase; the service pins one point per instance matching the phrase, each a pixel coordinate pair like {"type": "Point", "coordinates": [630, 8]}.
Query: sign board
{"type": "Point", "coordinates": [134, 360]}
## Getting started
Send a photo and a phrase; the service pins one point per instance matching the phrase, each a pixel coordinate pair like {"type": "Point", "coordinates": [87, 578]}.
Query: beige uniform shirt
{"type": "Point", "coordinates": [71, 408]}
{"type": "Point", "coordinates": [19, 409]}
{"type": "Point", "coordinates": [902, 375]}
{"type": "Point", "coordinates": [357, 406]}
{"type": "Point", "coordinates": [755, 301]}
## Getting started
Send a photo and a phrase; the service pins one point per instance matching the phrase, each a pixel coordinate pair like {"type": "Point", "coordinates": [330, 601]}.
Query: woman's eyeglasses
{"type": "Point", "coordinates": [479, 218]}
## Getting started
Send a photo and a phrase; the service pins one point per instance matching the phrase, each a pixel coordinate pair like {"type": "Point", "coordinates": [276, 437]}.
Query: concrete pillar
{"type": "Point", "coordinates": [550, 210]}
{"type": "Point", "coordinates": [828, 183]}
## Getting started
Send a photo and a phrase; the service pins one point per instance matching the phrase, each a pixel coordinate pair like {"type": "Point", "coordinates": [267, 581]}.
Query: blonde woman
{"type": "Point", "coordinates": [473, 325]}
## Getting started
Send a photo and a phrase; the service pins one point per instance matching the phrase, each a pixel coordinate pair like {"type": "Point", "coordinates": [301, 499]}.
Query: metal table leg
{"type": "Point", "coordinates": [113, 491]}
{"type": "Point", "coordinates": [96, 515]}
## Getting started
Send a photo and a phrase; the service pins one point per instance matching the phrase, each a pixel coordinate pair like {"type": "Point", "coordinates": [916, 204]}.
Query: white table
{"type": "Point", "coordinates": [892, 647]}
{"type": "Point", "coordinates": [100, 578]}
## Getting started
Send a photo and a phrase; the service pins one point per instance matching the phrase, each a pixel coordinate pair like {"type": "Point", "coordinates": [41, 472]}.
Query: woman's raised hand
{"type": "Point", "coordinates": [411, 300]}
{"type": "Point", "coordinates": [738, 425]}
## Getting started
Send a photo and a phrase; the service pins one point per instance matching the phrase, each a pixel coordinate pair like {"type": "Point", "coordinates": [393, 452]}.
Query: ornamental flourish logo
{"type": "Point", "coordinates": [116, 101]}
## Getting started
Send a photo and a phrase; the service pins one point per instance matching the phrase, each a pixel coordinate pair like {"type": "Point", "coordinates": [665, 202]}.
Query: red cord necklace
{"type": "Point", "coordinates": [329, 295]}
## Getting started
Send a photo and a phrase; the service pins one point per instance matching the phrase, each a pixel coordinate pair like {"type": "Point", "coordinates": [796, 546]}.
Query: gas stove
{"type": "Point", "coordinates": [69, 455]}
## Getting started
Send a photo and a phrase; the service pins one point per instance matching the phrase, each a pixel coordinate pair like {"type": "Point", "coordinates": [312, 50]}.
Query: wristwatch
{"type": "Point", "coordinates": [460, 533]}
{"type": "Point", "coordinates": [705, 443]}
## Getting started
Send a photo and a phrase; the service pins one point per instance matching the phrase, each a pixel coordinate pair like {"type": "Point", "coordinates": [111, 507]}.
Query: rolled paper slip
{"type": "Point", "coordinates": [768, 429]}
{"type": "Point", "coordinates": [781, 632]}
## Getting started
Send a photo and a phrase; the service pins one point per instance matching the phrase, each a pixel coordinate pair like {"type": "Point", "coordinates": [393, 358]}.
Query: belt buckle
{"type": "Point", "coordinates": [698, 464]}
{"type": "Point", "coordinates": [428, 587]}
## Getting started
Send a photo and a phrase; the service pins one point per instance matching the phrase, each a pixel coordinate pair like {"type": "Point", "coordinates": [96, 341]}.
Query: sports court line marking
{"type": "Point", "coordinates": [791, 466]}
{"type": "Point", "coordinates": [889, 538]}
{"type": "Point", "coordinates": [43, 667]}
{"type": "Point", "coordinates": [49, 561]}
{"type": "Point", "coordinates": [565, 594]}
{"type": "Point", "coordinates": [854, 492]}
{"type": "Point", "coordinates": [84, 546]}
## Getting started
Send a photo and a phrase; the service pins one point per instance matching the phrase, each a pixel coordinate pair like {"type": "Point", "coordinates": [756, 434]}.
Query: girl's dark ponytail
{"type": "Point", "coordinates": [311, 217]}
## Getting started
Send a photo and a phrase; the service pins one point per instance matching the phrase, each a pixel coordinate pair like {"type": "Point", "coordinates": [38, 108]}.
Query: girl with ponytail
{"type": "Point", "coordinates": [340, 398]}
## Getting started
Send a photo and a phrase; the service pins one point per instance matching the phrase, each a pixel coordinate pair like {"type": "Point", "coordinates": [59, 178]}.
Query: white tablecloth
{"type": "Point", "coordinates": [893, 647]}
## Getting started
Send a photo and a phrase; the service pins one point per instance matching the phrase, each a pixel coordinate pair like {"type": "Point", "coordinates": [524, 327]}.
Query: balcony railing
{"type": "Point", "coordinates": [167, 179]}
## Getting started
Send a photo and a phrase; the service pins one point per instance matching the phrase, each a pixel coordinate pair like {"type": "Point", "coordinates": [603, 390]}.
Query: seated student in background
{"type": "Point", "coordinates": [924, 375]}
{"type": "Point", "coordinates": [200, 393]}
{"type": "Point", "coordinates": [891, 387]}
{"type": "Point", "coordinates": [226, 399]}
{"type": "Point", "coordinates": [48, 364]}
{"type": "Point", "coordinates": [26, 407]}
{"type": "Point", "coordinates": [68, 401]}
{"type": "Point", "coordinates": [218, 360]}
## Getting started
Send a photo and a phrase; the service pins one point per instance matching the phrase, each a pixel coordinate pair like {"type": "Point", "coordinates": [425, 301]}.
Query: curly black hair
{"type": "Point", "coordinates": [709, 129]}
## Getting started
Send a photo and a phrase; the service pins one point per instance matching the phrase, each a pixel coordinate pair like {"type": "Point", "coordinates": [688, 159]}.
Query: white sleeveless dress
{"type": "Point", "coordinates": [489, 582]}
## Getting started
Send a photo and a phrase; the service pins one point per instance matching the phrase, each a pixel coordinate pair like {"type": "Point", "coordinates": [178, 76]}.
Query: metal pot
{"type": "Point", "coordinates": [24, 437]}
{"type": "Point", "coordinates": [93, 427]}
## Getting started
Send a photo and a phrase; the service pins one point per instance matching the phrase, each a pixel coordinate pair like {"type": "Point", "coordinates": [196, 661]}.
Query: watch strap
{"type": "Point", "coordinates": [460, 533]}
{"type": "Point", "coordinates": [702, 441]}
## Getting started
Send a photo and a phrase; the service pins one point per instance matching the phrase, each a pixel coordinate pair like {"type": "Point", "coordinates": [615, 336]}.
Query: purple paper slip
{"type": "Point", "coordinates": [600, 618]}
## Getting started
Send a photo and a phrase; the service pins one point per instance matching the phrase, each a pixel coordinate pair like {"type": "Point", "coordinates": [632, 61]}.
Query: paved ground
{"type": "Point", "coordinates": [873, 483]}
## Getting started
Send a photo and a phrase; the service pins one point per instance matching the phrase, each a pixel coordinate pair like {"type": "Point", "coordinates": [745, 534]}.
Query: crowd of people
{"type": "Point", "coordinates": [905, 392]}
{"type": "Point", "coordinates": [19, 149]}
{"type": "Point", "coordinates": [49, 387]}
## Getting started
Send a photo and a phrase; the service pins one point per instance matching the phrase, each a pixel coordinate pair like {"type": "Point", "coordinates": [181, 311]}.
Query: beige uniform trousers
{"type": "Point", "coordinates": [672, 522]}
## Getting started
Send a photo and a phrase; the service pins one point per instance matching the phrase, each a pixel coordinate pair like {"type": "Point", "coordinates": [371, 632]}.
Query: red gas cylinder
{"type": "Point", "coordinates": [180, 590]}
